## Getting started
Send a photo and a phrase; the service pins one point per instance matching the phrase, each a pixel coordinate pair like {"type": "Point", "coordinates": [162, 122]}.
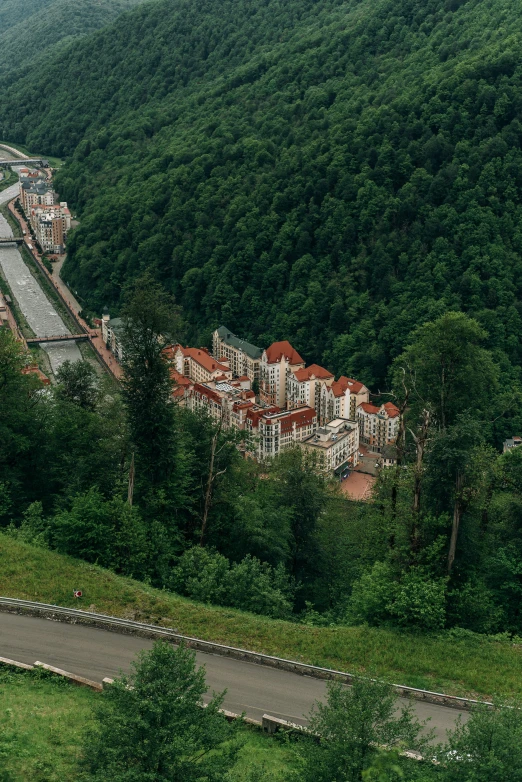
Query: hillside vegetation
{"type": "Point", "coordinates": [449, 663]}
{"type": "Point", "coordinates": [32, 29]}
{"type": "Point", "coordinates": [329, 172]}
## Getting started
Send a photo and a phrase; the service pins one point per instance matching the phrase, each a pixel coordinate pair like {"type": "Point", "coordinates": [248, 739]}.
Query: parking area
{"type": "Point", "coordinates": [358, 486]}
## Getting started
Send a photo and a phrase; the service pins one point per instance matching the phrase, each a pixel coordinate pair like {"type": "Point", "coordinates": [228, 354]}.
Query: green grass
{"type": "Point", "coordinates": [43, 719]}
{"type": "Point", "coordinates": [55, 162]}
{"type": "Point", "coordinates": [469, 666]}
{"type": "Point", "coordinates": [7, 180]}
{"type": "Point", "coordinates": [41, 724]}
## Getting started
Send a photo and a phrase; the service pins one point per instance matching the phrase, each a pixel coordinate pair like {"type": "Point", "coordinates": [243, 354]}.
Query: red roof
{"type": "Point", "coordinates": [243, 379]}
{"type": "Point", "coordinates": [206, 391]}
{"type": "Point", "coordinates": [392, 410]}
{"type": "Point", "coordinates": [314, 370]}
{"type": "Point", "coordinates": [279, 349]}
{"type": "Point", "coordinates": [179, 380]}
{"type": "Point", "coordinates": [368, 408]}
{"type": "Point", "coordinates": [255, 415]}
{"type": "Point", "coordinates": [202, 357]}
{"type": "Point", "coordinates": [304, 416]}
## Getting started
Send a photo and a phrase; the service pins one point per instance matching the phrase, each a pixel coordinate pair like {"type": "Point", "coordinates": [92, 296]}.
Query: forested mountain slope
{"type": "Point", "coordinates": [330, 172]}
{"type": "Point", "coordinates": [29, 28]}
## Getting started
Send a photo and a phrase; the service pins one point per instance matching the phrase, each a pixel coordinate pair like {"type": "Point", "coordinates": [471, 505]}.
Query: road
{"type": "Point", "coordinates": [253, 689]}
{"type": "Point", "coordinates": [32, 301]}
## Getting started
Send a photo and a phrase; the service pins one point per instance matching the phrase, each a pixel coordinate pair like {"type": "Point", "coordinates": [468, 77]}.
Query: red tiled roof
{"type": "Point", "coordinates": [368, 408]}
{"type": "Point", "coordinates": [355, 385]}
{"type": "Point", "coordinates": [180, 380]}
{"type": "Point", "coordinates": [255, 415]}
{"type": "Point", "coordinates": [276, 350]}
{"type": "Point", "coordinates": [243, 378]}
{"type": "Point", "coordinates": [314, 370]}
{"type": "Point", "coordinates": [202, 357]}
{"type": "Point", "coordinates": [392, 410]}
{"type": "Point", "coordinates": [303, 416]}
{"type": "Point", "coordinates": [205, 391]}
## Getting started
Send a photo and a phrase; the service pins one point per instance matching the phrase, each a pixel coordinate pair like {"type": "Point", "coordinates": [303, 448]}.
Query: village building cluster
{"type": "Point", "coordinates": [272, 395]}
{"type": "Point", "coordinates": [49, 220]}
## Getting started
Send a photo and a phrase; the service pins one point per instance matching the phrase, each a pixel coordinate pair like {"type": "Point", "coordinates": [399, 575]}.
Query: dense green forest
{"type": "Point", "coordinates": [439, 548]}
{"type": "Point", "coordinates": [334, 173]}
{"type": "Point", "coordinates": [30, 30]}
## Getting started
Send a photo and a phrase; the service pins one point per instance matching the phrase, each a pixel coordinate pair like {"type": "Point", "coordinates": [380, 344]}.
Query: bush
{"type": "Point", "coordinates": [416, 600]}
{"type": "Point", "coordinates": [250, 585]}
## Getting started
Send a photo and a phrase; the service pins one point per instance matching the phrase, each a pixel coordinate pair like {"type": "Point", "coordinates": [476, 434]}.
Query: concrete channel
{"type": "Point", "coordinates": [31, 299]}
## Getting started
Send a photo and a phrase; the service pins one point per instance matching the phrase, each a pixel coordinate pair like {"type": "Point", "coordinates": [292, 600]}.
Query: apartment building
{"type": "Point", "coordinates": [336, 445]}
{"type": "Point", "coordinates": [198, 364]}
{"type": "Point", "coordinates": [224, 401]}
{"type": "Point", "coordinates": [112, 331]}
{"type": "Point", "coordinates": [34, 193]}
{"type": "Point", "coordinates": [277, 361]}
{"type": "Point", "coordinates": [378, 426]}
{"type": "Point", "coordinates": [279, 430]}
{"type": "Point", "coordinates": [341, 399]}
{"type": "Point", "coordinates": [50, 224]}
{"type": "Point", "coordinates": [243, 357]}
{"type": "Point", "coordinates": [303, 386]}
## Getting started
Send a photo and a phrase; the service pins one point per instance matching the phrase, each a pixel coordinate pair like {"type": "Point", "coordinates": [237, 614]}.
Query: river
{"type": "Point", "coordinates": [32, 301]}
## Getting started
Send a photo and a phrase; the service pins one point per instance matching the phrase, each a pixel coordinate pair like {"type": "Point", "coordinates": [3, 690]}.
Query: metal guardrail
{"type": "Point", "coordinates": [128, 625]}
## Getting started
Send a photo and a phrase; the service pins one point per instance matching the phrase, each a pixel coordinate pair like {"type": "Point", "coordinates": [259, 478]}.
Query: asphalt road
{"type": "Point", "coordinates": [253, 689]}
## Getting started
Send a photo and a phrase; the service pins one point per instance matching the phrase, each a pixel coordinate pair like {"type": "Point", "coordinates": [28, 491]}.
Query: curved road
{"type": "Point", "coordinates": [253, 689]}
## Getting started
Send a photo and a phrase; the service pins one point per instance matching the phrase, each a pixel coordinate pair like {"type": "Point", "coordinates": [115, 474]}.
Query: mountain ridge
{"type": "Point", "coordinates": [333, 173]}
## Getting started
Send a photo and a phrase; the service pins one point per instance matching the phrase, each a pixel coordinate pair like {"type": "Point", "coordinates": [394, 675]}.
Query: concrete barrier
{"type": "Point", "coordinates": [124, 626]}
{"type": "Point", "coordinates": [16, 664]}
{"type": "Point", "coordinates": [72, 677]}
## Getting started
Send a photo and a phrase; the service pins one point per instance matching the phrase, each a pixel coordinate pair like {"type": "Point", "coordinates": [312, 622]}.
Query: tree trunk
{"type": "Point", "coordinates": [457, 514]}
{"type": "Point", "coordinates": [208, 493]}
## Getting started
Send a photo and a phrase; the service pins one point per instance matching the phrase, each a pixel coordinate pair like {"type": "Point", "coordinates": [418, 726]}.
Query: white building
{"type": "Point", "coordinates": [276, 363]}
{"type": "Point", "coordinates": [336, 445]}
{"type": "Point", "coordinates": [303, 386]}
{"type": "Point", "coordinates": [378, 426]}
{"type": "Point", "coordinates": [341, 399]}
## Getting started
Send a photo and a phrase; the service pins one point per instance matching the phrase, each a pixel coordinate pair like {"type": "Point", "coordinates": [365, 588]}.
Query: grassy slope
{"type": "Point", "coordinates": [471, 666]}
{"type": "Point", "coordinates": [42, 720]}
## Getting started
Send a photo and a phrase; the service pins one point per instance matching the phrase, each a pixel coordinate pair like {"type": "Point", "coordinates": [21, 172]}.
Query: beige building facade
{"type": "Point", "coordinates": [277, 361]}
{"type": "Point", "coordinates": [243, 357]}
{"type": "Point", "coordinates": [336, 445]}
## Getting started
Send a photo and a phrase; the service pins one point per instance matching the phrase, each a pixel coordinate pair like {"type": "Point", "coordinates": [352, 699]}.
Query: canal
{"type": "Point", "coordinates": [31, 299]}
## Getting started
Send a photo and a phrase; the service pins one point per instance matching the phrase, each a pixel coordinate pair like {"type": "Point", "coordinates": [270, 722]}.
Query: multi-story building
{"type": "Point", "coordinates": [341, 399]}
{"type": "Point", "coordinates": [303, 386]}
{"type": "Point", "coordinates": [198, 364]}
{"type": "Point", "coordinates": [243, 357]}
{"type": "Point", "coordinates": [279, 430]}
{"type": "Point", "coordinates": [112, 330]}
{"type": "Point", "coordinates": [276, 362]}
{"type": "Point", "coordinates": [34, 193]}
{"type": "Point", "coordinates": [378, 426]}
{"type": "Point", "coordinates": [50, 225]}
{"type": "Point", "coordinates": [336, 445]}
{"type": "Point", "coordinates": [224, 401]}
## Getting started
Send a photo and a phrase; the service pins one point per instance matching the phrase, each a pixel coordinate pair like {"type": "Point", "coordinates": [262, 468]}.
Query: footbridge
{"type": "Point", "coordinates": [57, 338]}
{"type": "Point", "coordinates": [26, 161]}
{"type": "Point", "coordinates": [11, 240]}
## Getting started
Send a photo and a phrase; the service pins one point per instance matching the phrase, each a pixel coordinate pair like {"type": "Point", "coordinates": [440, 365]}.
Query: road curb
{"type": "Point", "coordinates": [129, 627]}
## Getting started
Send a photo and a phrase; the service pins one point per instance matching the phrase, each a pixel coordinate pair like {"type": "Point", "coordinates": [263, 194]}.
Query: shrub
{"type": "Point", "coordinates": [250, 585]}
